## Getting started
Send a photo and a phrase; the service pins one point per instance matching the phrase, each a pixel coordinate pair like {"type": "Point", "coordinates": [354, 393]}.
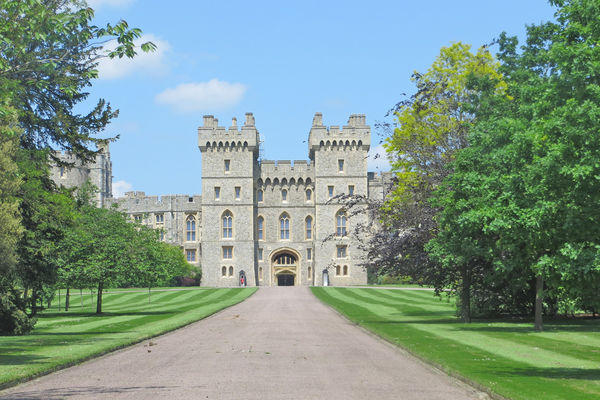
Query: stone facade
{"type": "Point", "coordinates": [271, 221]}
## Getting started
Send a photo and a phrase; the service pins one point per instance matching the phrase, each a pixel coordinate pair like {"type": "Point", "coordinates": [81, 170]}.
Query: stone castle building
{"type": "Point", "coordinates": [272, 222]}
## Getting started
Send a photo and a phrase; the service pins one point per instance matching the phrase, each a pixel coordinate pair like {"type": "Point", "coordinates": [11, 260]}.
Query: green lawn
{"type": "Point", "coordinates": [508, 357]}
{"type": "Point", "coordinates": [63, 338]}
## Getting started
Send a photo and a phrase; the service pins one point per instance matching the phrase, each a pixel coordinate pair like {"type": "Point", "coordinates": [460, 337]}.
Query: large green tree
{"type": "Point", "coordinates": [49, 50]}
{"type": "Point", "coordinates": [430, 128]}
{"type": "Point", "coordinates": [525, 195]}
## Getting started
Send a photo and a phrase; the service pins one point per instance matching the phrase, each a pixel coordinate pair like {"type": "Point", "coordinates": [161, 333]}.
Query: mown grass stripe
{"type": "Point", "coordinates": [439, 342]}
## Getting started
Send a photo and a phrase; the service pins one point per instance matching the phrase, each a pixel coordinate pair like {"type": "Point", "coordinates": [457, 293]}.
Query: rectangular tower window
{"type": "Point", "coordinates": [260, 254]}
{"type": "Point", "coordinates": [341, 251]}
{"type": "Point", "coordinates": [217, 193]}
{"type": "Point", "coordinates": [351, 190]}
{"type": "Point", "coordinates": [259, 195]}
{"type": "Point", "coordinates": [62, 172]}
{"type": "Point", "coordinates": [237, 192]}
{"type": "Point", "coordinates": [227, 165]}
{"type": "Point", "coordinates": [309, 254]}
{"type": "Point", "coordinates": [330, 191]}
{"type": "Point", "coordinates": [137, 218]}
{"type": "Point", "coordinates": [190, 255]}
{"type": "Point", "coordinates": [340, 165]}
{"type": "Point", "coordinates": [160, 219]}
{"type": "Point", "coordinates": [227, 252]}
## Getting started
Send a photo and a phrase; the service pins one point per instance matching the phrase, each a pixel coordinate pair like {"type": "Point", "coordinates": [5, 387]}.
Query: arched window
{"type": "Point", "coordinates": [260, 273]}
{"type": "Point", "coordinates": [230, 271]}
{"type": "Point", "coordinates": [345, 270]}
{"type": "Point", "coordinates": [308, 227]}
{"type": "Point", "coordinates": [224, 271]}
{"type": "Point", "coordinates": [227, 219]}
{"type": "Point", "coordinates": [260, 225]}
{"type": "Point", "coordinates": [337, 270]}
{"type": "Point", "coordinates": [308, 194]}
{"type": "Point", "coordinates": [284, 227]}
{"type": "Point", "coordinates": [190, 228]}
{"type": "Point", "coordinates": [309, 273]}
{"type": "Point", "coordinates": [259, 195]}
{"type": "Point", "coordinates": [340, 223]}
{"type": "Point", "coordinates": [284, 195]}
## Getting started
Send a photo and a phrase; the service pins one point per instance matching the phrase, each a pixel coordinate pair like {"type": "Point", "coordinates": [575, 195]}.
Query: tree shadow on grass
{"type": "Point", "coordinates": [552, 373]}
{"type": "Point", "coordinates": [50, 315]}
{"type": "Point", "coordinates": [21, 359]}
{"type": "Point", "coordinates": [574, 327]}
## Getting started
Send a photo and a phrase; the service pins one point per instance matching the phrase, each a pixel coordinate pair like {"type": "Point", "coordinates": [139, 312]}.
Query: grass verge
{"type": "Point", "coordinates": [506, 356]}
{"type": "Point", "coordinates": [62, 338]}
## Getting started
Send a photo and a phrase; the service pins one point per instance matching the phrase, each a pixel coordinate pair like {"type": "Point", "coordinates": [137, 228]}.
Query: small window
{"type": "Point", "coordinates": [260, 226]}
{"type": "Point", "coordinates": [160, 219]}
{"type": "Point", "coordinates": [308, 195]}
{"type": "Point", "coordinates": [284, 227]}
{"type": "Point", "coordinates": [345, 270]}
{"type": "Point", "coordinates": [260, 273]}
{"type": "Point", "coordinates": [351, 190]}
{"type": "Point", "coordinates": [217, 193]}
{"type": "Point", "coordinates": [309, 254]}
{"type": "Point", "coordinates": [337, 270]}
{"type": "Point", "coordinates": [190, 255]}
{"type": "Point", "coordinates": [330, 191]}
{"type": "Point", "coordinates": [161, 235]}
{"type": "Point", "coordinates": [227, 223]}
{"type": "Point", "coordinates": [230, 271]}
{"type": "Point", "coordinates": [340, 165]}
{"type": "Point", "coordinates": [259, 195]}
{"type": "Point", "coordinates": [238, 190]}
{"type": "Point", "coordinates": [190, 228]}
{"type": "Point", "coordinates": [224, 271]}
{"type": "Point", "coordinates": [227, 165]}
{"type": "Point", "coordinates": [309, 273]}
{"type": "Point", "coordinates": [340, 224]}
{"type": "Point", "coordinates": [227, 252]}
{"type": "Point", "coordinates": [137, 218]}
{"type": "Point", "coordinates": [342, 251]}
{"type": "Point", "coordinates": [190, 199]}
{"type": "Point", "coordinates": [284, 194]}
{"type": "Point", "coordinates": [308, 227]}
{"type": "Point", "coordinates": [260, 254]}
{"type": "Point", "coordinates": [62, 172]}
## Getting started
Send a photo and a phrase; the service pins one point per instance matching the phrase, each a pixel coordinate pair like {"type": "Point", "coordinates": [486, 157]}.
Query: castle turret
{"type": "Point", "coordinates": [229, 164]}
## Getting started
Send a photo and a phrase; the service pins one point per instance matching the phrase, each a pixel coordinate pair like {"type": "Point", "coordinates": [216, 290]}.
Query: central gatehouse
{"type": "Point", "coordinates": [269, 222]}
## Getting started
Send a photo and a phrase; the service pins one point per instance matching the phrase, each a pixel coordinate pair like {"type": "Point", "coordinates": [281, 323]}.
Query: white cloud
{"type": "Point", "coordinates": [95, 4]}
{"type": "Point", "coordinates": [377, 159]}
{"type": "Point", "coordinates": [120, 187]}
{"type": "Point", "coordinates": [152, 62]}
{"type": "Point", "coordinates": [202, 96]}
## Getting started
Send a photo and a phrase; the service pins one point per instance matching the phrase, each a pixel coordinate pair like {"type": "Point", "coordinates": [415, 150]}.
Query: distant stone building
{"type": "Point", "coordinates": [272, 222]}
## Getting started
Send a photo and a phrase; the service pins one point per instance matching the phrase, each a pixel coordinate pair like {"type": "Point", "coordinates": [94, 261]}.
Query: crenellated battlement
{"type": "Point", "coordinates": [137, 200]}
{"type": "Point", "coordinates": [284, 172]}
{"type": "Point", "coordinates": [212, 137]}
{"type": "Point", "coordinates": [355, 135]}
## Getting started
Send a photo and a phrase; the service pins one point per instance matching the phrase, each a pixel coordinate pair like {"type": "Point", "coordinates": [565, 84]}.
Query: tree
{"type": "Point", "coordinates": [528, 184]}
{"type": "Point", "coordinates": [430, 128]}
{"type": "Point", "coordinates": [48, 55]}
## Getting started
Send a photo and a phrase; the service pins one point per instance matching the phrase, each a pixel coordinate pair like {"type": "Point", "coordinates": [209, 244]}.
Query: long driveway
{"type": "Point", "coordinates": [281, 343]}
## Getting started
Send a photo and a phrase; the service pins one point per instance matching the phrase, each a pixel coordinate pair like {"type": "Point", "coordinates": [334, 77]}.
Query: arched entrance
{"type": "Point", "coordinates": [284, 264]}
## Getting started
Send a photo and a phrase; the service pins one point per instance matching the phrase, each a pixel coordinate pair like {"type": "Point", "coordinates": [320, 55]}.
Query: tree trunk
{"type": "Point", "coordinates": [81, 297]}
{"type": "Point", "coordinates": [539, 300]}
{"type": "Point", "coordinates": [148, 294]}
{"type": "Point", "coordinates": [33, 299]}
{"type": "Point", "coordinates": [465, 297]}
{"type": "Point", "coordinates": [99, 298]}
{"type": "Point", "coordinates": [67, 297]}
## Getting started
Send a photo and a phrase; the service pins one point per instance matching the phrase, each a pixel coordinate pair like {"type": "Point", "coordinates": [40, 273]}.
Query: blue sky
{"type": "Point", "coordinates": [283, 61]}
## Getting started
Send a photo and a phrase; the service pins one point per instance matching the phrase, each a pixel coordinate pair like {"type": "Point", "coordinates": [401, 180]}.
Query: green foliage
{"type": "Point", "coordinates": [523, 199]}
{"type": "Point", "coordinates": [13, 320]}
{"type": "Point", "coordinates": [48, 56]}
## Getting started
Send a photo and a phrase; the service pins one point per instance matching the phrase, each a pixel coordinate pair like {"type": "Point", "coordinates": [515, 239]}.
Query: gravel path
{"type": "Point", "coordinates": [281, 343]}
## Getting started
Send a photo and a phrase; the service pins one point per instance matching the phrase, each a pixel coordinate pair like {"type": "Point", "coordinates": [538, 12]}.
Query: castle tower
{"type": "Point", "coordinates": [229, 164]}
{"type": "Point", "coordinates": [340, 159]}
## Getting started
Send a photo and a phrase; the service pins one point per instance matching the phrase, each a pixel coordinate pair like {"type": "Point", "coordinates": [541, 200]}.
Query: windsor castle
{"type": "Point", "coordinates": [268, 222]}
